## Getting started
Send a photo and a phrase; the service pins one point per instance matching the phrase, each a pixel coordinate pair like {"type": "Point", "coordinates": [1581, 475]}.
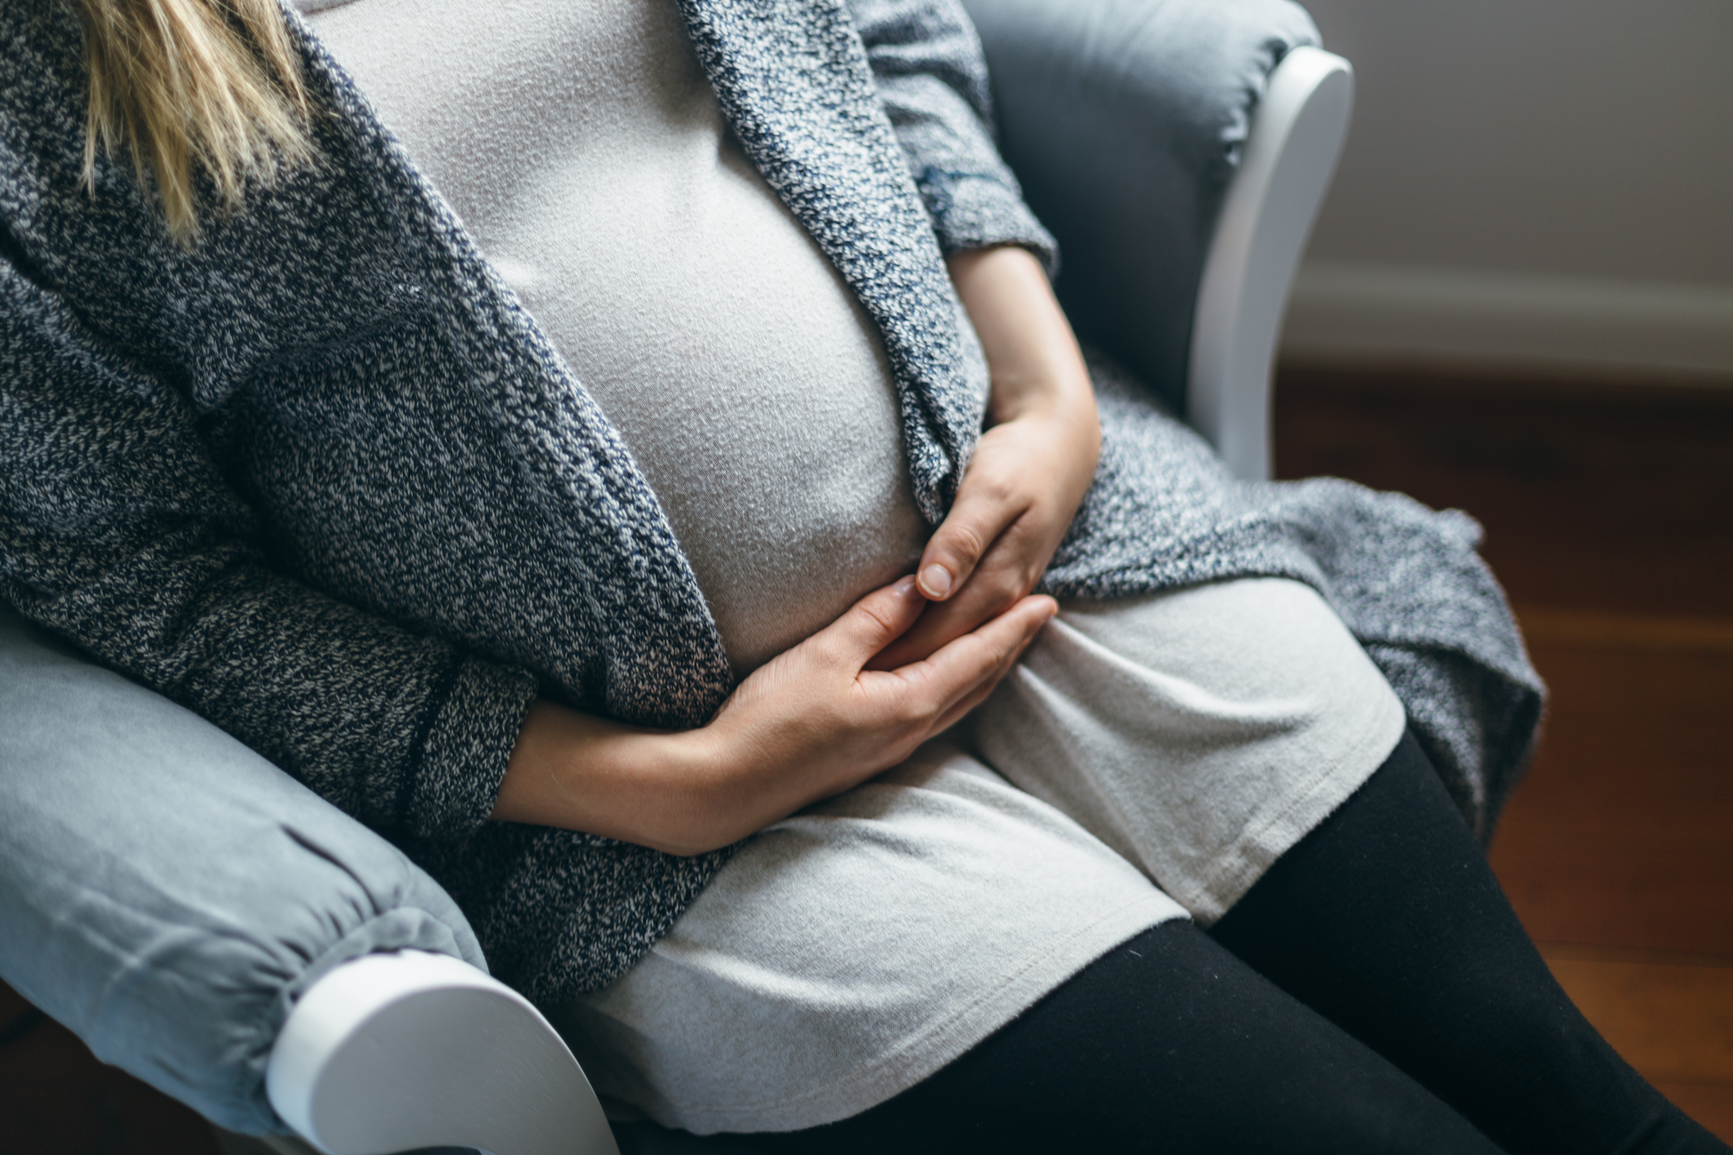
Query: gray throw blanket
{"type": "Point", "coordinates": [322, 480]}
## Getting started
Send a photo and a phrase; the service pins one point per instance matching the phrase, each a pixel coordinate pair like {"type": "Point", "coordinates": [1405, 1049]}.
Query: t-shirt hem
{"type": "Point", "coordinates": [1236, 869]}
{"type": "Point", "coordinates": [923, 1054]}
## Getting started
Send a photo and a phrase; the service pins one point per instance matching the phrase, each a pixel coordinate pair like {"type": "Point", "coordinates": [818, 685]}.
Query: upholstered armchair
{"type": "Point", "coordinates": [210, 925]}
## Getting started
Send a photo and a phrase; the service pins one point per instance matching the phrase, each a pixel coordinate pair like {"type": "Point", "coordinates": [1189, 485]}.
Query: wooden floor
{"type": "Point", "coordinates": [1609, 516]}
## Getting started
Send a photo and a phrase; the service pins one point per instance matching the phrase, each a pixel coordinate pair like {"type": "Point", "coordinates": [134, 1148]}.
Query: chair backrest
{"type": "Point", "coordinates": [1131, 124]}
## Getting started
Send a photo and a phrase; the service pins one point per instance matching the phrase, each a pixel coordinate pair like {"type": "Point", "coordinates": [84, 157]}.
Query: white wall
{"type": "Point", "coordinates": [1529, 179]}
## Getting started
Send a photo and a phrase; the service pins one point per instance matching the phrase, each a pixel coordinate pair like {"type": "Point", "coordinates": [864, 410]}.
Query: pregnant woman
{"type": "Point", "coordinates": [693, 533]}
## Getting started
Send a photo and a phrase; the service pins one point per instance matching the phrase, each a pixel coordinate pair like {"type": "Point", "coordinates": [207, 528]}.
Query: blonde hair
{"type": "Point", "coordinates": [193, 85]}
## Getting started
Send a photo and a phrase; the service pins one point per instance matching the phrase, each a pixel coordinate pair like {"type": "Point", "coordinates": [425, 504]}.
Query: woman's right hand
{"type": "Point", "coordinates": [807, 725]}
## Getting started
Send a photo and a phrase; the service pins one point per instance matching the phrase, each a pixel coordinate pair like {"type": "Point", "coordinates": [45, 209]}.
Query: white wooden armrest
{"type": "Point", "coordinates": [392, 1052]}
{"type": "Point", "coordinates": [1290, 154]}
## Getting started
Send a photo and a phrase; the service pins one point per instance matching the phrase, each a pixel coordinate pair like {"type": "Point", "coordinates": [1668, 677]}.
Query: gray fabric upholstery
{"type": "Point", "coordinates": [165, 892]}
{"type": "Point", "coordinates": [1123, 120]}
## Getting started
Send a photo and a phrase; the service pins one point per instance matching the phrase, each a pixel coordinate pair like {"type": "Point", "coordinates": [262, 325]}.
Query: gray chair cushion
{"type": "Point", "coordinates": [165, 892]}
{"type": "Point", "coordinates": [1123, 120]}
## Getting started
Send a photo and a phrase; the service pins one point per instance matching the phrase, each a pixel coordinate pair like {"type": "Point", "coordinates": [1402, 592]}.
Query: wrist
{"type": "Point", "coordinates": [693, 811]}
{"type": "Point", "coordinates": [1060, 393]}
{"type": "Point", "coordinates": [594, 775]}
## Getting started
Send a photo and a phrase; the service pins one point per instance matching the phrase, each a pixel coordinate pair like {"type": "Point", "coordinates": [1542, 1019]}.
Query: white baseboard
{"type": "Point", "coordinates": [1355, 312]}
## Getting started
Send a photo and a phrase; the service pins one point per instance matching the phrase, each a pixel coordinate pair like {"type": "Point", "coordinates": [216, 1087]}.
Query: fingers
{"type": "Point", "coordinates": [974, 663]}
{"type": "Point", "coordinates": [871, 624]}
{"type": "Point", "coordinates": [1007, 573]}
{"type": "Point", "coordinates": [981, 692]}
{"type": "Point", "coordinates": [986, 504]}
{"type": "Point", "coordinates": [975, 697]}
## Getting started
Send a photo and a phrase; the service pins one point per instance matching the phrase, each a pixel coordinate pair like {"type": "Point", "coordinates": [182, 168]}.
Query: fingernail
{"type": "Point", "coordinates": [936, 581]}
{"type": "Point", "coordinates": [904, 586]}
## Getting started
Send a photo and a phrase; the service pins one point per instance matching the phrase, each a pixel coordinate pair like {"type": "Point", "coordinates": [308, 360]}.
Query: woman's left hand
{"type": "Point", "coordinates": [1033, 464]}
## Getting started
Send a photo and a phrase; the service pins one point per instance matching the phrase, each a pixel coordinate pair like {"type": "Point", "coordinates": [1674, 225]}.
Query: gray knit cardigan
{"type": "Point", "coordinates": [321, 479]}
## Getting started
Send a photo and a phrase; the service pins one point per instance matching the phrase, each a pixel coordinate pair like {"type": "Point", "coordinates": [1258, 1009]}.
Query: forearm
{"type": "Point", "coordinates": [682, 792]}
{"type": "Point", "coordinates": [586, 773]}
{"type": "Point", "coordinates": [1031, 351]}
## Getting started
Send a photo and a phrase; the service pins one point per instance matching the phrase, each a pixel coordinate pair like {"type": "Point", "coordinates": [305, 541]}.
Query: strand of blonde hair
{"type": "Point", "coordinates": [193, 85]}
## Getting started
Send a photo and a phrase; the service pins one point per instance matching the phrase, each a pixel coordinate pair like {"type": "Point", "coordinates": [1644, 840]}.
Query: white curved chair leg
{"type": "Point", "coordinates": [1290, 154]}
{"type": "Point", "coordinates": [392, 1052]}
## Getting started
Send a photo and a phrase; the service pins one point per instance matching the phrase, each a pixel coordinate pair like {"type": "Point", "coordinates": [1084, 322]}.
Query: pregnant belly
{"type": "Point", "coordinates": [751, 388]}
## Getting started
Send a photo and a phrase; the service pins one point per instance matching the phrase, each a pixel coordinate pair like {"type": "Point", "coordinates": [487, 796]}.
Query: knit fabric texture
{"type": "Point", "coordinates": [320, 478]}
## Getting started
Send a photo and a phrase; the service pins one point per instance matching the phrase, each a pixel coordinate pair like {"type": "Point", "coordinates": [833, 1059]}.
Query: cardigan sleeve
{"type": "Point", "coordinates": [932, 80]}
{"type": "Point", "coordinates": [118, 531]}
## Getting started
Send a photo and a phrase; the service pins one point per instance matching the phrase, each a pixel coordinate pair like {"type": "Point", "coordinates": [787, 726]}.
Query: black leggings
{"type": "Point", "coordinates": [1373, 992]}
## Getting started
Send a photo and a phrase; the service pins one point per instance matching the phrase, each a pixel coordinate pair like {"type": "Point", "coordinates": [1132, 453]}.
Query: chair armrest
{"type": "Point", "coordinates": [1124, 121]}
{"type": "Point", "coordinates": [166, 893]}
{"type": "Point", "coordinates": [1290, 154]}
{"type": "Point", "coordinates": [409, 1050]}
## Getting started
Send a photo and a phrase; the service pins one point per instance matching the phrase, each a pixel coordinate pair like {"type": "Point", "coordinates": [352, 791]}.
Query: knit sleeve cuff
{"type": "Point", "coordinates": [973, 211]}
{"type": "Point", "coordinates": [472, 728]}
